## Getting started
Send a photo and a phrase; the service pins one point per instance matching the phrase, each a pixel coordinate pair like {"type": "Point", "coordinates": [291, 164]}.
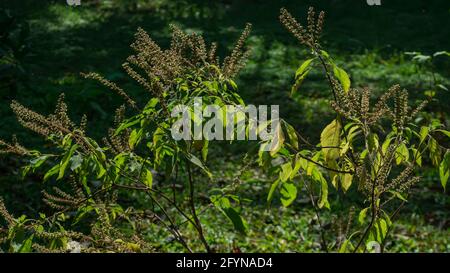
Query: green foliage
{"type": "Point", "coordinates": [139, 145]}
{"type": "Point", "coordinates": [374, 153]}
{"type": "Point", "coordinates": [351, 153]}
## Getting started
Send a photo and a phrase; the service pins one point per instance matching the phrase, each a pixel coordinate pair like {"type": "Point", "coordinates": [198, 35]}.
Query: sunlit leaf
{"type": "Point", "coordinates": [362, 215]}
{"type": "Point", "coordinates": [192, 158]}
{"type": "Point", "coordinates": [342, 77]}
{"type": "Point", "coordinates": [292, 134]}
{"type": "Point", "coordinates": [273, 187]}
{"type": "Point", "coordinates": [288, 193]}
{"type": "Point", "coordinates": [401, 154]}
{"type": "Point", "coordinates": [301, 74]}
{"type": "Point", "coordinates": [66, 160]}
{"type": "Point", "coordinates": [148, 179]}
{"type": "Point", "coordinates": [423, 133]}
{"type": "Point", "coordinates": [37, 162]}
{"type": "Point", "coordinates": [26, 245]}
{"type": "Point", "coordinates": [444, 170]}
{"type": "Point", "coordinates": [417, 156]}
{"type": "Point", "coordinates": [286, 170]}
{"type": "Point", "coordinates": [346, 181]}
{"type": "Point", "coordinates": [440, 53]}
{"type": "Point", "coordinates": [330, 137]}
{"type": "Point", "coordinates": [277, 140]}
{"type": "Point", "coordinates": [445, 132]}
{"type": "Point", "coordinates": [323, 199]}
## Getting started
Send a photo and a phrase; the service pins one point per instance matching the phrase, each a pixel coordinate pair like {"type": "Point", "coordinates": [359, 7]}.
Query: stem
{"type": "Point", "coordinates": [372, 199]}
{"type": "Point", "coordinates": [316, 210]}
{"type": "Point", "coordinates": [194, 211]}
{"type": "Point", "coordinates": [372, 220]}
{"type": "Point", "coordinates": [321, 165]}
{"type": "Point", "coordinates": [330, 81]}
{"type": "Point", "coordinates": [172, 227]}
{"type": "Point", "coordinates": [174, 194]}
{"type": "Point", "coordinates": [147, 189]}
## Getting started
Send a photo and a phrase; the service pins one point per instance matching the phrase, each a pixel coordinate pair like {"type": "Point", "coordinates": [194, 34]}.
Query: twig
{"type": "Point", "coordinates": [316, 210]}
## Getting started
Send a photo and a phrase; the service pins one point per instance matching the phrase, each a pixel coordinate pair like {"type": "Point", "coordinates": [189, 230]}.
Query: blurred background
{"type": "Point", "coordinates": [44, 45]}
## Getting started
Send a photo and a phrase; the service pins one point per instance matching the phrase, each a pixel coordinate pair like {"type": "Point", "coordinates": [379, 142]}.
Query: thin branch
{"type": "Point", "coordinates": [194, 211]}
{"type": "Point", "coordinates": [316, 210]}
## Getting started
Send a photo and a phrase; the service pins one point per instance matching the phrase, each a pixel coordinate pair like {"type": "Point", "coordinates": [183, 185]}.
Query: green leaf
{"type": "Point", "coordinates": [325, 54]}
{"type": "Point", "coordinates": [423, 133]}
{"type": "Point", "coordinates": [346, 181]}
{"type": "Point", "coordinates": [298, 162]}
{"type": "Point", "coordinates": [386, 144]}
{"type": "Point", "coordinates": [101, 170]}
{"type": "Point", "coordinates": [421, 58]}
{"type": "Point", "coordinates": [303, 68]}
{"type": "Point", "coordinates": [373, 142]}
{"type": "Point", "coordinates": [192, 158]}
{"type": "Point", "coordinates": [439, 53]}
{"type": "Point", "coordinates": [128, 123]}
{"type": "Point", "coordinates": [398, 195]}
{"type": "Point", "coordinates": [401, 154]}
{"type": "Point", "coordinates": [288, 193]}
{"type": "Point", "coordinates": [362, 216]}
{"type": "Point", "coordinates": [447, 133]}
{"type": "Point", "coordinates": [429, 93]}
{"type": "Point", "coordinates": [342, 77]}
{"type": "Point", "coordinates": [417, 156]}
{"type": "Point", "coordinates": [435, 151]}
{"type": "Point", "coordinates": [346, 246]}
{"type": "Point", "coordinates": [301, 74]}
{"type": "Point", "coordinates": [65, 161]}
{"type": "Point", "coordinates": [381, 230]}
{"type": "Point", "coordinates": [223, 203]}
{"type": "Point", "coordinates": [286, 170]}
{"type": "Point", "coordinates": [292, 134]}
{"type": "Point", "coordinates": [82, 212]}
{"type": "Point", "coordinates": [54, 170]}
{"type": "Point", "coordinates": [373, 247]}
{"type": "Point", "coordinates": [135, 137]}
{"type": "Point", "coordinates": [233, 84]}
{"type": "Point", "coordinates": [330, 137]}
{"type": "Point", "coordinates": [238, 222]}
{"type": "Point", "coordinates": [148, 179]}
{"type": "Point", "coordinates": [441, 86]}
{"type": "Point", "coordinates": [272, 190]}
{"type": "Point", "coordinates": [444, 170]}
{"type": "Point", "coordinates": [37, 162]}
{"type": "Point", "coordinates": [311, 166]}
{"type": "Point", "coordinates": [277, 140]}
{"type": "Point", "coordinates": [323, 199]}
{"type": "Point", "coordinates": [26, 245]}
